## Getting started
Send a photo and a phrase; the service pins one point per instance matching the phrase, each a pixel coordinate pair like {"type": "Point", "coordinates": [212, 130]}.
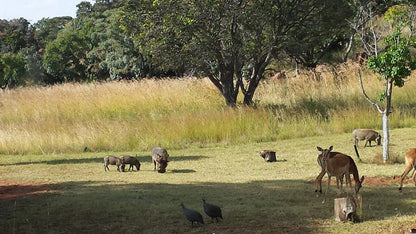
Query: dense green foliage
{"type": "Point", "coordinates": [232, 42]}
{"type": "Point", "coordinates": [12, 66]}
{"type": "Point", "coordinates": [396, 63]}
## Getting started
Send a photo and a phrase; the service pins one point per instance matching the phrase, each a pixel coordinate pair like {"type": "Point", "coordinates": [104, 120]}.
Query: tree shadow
{"type": "Point", "coordinates": [58, 161]}
{"type": "Point", "coordinates": [266, 206]}
{"type": "Point", "coordinates": [183, 171]}
{"type": "Point", "coordinates": [144, 158]}
{"type": "Point", "coordinates": [187, 158]}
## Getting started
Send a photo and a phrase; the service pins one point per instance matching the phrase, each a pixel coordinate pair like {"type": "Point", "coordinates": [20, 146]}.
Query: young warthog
{"type": "Point", "coordinates": [366, 134]}
{"type": "Point", "coordinates": [160, 159]}
{"type": "Point", "coordinates": [268, 155]}
{"type": "Point", "coordinates": [132, 161]}
{"type": "Point", "coordinates": [111, 160]}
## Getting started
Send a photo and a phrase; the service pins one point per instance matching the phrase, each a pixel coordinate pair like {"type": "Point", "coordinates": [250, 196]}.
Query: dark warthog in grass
{"type": "Point", "coordinates": [366, 134]}
{"type": "Point", "coordinates": [132, 161]}
{"type": "Point", "coordinates": [160, 159]}
{"type": "Point", "coordinates": [268, 155]}
{"type": "Point", "coordinates": [111, 160]}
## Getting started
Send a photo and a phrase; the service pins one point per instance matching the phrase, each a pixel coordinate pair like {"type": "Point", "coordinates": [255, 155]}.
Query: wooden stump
{"type": "Point", "coordinates": [345, 209]}
{"type": "Point", "coordinates": [268, 155]}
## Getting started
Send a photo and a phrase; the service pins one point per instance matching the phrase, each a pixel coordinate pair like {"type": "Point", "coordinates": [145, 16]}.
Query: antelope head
{"type": "Point", "coordinates": [358, 184]}
{"type": "Point", "coordinates": [325, 152]}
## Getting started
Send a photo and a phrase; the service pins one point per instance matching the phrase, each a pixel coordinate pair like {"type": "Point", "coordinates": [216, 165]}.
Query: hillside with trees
{"type": "Point", "coordinates": [233, 43]}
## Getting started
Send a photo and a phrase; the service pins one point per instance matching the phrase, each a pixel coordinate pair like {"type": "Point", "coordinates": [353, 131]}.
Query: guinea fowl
{"type": "Point", "coordinates": [212, 211]}
{"type": "Point", "coordinates": [192, 215]}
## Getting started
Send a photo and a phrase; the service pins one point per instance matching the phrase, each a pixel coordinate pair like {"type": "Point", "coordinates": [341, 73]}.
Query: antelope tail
{"type": "Point", "coordinates": [356, 152]}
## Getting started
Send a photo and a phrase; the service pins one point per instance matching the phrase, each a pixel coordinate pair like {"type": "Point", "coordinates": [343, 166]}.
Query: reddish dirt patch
{"type": "Point", "coordinates": [372, 181]}
{"type": "Point", "coordinates": [11, 189]}
{"type": "Point", "coordinates": [381, 181]}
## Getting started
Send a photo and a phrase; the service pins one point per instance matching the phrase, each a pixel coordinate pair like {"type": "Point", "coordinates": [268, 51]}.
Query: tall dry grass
{"type": "Point", "coordinates": [133, 116]}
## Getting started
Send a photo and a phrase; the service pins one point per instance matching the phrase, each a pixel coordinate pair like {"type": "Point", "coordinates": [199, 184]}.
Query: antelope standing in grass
{"type": "Point", "coordinates": [318, 180]}
{"type": "Point", "coordinates": [338, 164]}
{"type": "Point", "coordinates": [410, 164]}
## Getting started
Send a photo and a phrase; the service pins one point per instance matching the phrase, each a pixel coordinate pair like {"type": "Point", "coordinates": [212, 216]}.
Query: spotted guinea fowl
{"type": "Point", "coordinates": [212, 211]}
{"type": "Point", "coordinates": [192, 215]}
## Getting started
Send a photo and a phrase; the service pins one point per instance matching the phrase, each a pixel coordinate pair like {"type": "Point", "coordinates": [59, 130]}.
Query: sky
{"type": "Point", "coordinates": [34, 10]}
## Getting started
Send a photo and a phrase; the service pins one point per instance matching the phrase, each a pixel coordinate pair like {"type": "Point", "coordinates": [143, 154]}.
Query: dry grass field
{"type": "Point", "coordinates": [53, 140]}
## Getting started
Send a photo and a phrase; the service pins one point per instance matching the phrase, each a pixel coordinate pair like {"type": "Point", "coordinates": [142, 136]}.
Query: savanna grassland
{"type": "Point", "coordinates": [53, 139]}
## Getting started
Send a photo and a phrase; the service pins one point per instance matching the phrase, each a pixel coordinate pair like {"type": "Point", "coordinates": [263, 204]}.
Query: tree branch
{"type": "Point", "coordinates": [365, 94]}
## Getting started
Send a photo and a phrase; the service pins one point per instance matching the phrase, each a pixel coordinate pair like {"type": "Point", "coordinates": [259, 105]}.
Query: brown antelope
{"type": "Point", "coordinates": [318, 180]}
{"type": "Point", "coordinates": [410, 164]}
{"type": "Point", "coordinates": [338, 164]}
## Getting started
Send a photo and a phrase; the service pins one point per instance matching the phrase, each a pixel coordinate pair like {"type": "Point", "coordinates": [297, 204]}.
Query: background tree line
{"type": "Point", "coordinates": [233, 42]}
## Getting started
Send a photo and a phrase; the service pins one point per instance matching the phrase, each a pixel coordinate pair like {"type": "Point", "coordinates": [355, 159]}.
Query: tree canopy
{"type": "Point", "coordinates": [233, 42]}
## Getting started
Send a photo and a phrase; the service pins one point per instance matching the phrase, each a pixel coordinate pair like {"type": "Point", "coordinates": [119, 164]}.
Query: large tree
{"type": "Point", "coordinates": [65, 57]}
{"type": "Point", "coordinates": [46, 29]}
{"type": "Point", "coordinates": [12, 68]}
{"type": "Point", "coordinates": [232, 41]}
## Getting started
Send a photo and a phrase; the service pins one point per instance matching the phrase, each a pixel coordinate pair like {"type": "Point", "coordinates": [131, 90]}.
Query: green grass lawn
{"type": "Point", "coordinates": [255, 196]}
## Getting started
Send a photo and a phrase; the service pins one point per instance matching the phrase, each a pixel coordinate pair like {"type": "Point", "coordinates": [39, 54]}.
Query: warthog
{"type": "Point", "coordinates": [366, 134]}
{"type": "Point", "coordinates": [160, 159]}
{"type": "Point", "coordinates": [132, 161]}
{"type": "Point", "coordinates": [111, 160]}
{"type": "Point", "coordinates": [268, 155]}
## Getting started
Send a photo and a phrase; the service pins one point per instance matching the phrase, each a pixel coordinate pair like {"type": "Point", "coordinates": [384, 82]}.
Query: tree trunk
{"type": "Point", "coordinates": [225, 81]}
{"type": "Point", "coordinates": [248, 96]}
{"type": "Point", "coordinates": [350, 44]}
{"type": "Point", "coordinates": [256, 76]}
{"type": "Point", "coordinates": [345, 209]}
{"type": "Point", "coordinates": [386, 137]}
{"type": "Point", "coordinates": [385, 119]}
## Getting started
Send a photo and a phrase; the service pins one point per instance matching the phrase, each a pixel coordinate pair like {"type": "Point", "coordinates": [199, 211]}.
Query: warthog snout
{"type": "Point", "coordinates": [160, 159]}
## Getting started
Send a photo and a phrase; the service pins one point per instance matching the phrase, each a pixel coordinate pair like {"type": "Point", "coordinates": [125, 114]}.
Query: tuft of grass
{"type": "Point", "coordinates": [394, 158]}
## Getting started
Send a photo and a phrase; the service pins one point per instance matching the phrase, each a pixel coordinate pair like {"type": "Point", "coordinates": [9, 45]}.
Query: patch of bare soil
{"type": "Point", "coordinates": [12, 189]}
{"type": "Point", "coordinates": [382, 181]}
{"type": "Point", "coordinates": [373, 181]}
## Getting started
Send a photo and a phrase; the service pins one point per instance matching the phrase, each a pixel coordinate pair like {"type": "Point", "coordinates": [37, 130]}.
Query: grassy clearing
{"type": "Point", "coordinates": [135, 116]}
{"type": "Point", "coordinates": [256, 197]}
{"type": "Point", "coordinates": [214, 154]}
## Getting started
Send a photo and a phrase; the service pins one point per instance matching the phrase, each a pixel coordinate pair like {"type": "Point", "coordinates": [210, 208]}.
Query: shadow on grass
{"type": "Point", "coordinates": [187, 158]}
{"type": "Point", "coordinates": [183, 171]}
{"type": "Point", "coordinates": [285, 206]}
{"type": "Point", "coordinates": [59, 161]}
{"type": "Point", "coordinates": [99, 160]}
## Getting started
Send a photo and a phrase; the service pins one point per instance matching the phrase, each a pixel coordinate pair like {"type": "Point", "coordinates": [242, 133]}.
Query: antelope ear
{"type": "Point", "coordinates": [362, 179]}
{"type": "Point", "coordinates": [319, 148]}
{"type": "Point", "coordinates": [330, 148]}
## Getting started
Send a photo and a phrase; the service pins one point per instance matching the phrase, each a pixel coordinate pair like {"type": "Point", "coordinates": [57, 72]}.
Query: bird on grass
{"type": "Point", "coordinates": [212, 211]}
{"type": "Point", "coordinates": [192, 215]}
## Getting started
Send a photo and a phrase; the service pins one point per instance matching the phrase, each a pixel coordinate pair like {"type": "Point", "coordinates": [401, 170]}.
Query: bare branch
{"type": "Point", "coordinates": [365, 94]}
